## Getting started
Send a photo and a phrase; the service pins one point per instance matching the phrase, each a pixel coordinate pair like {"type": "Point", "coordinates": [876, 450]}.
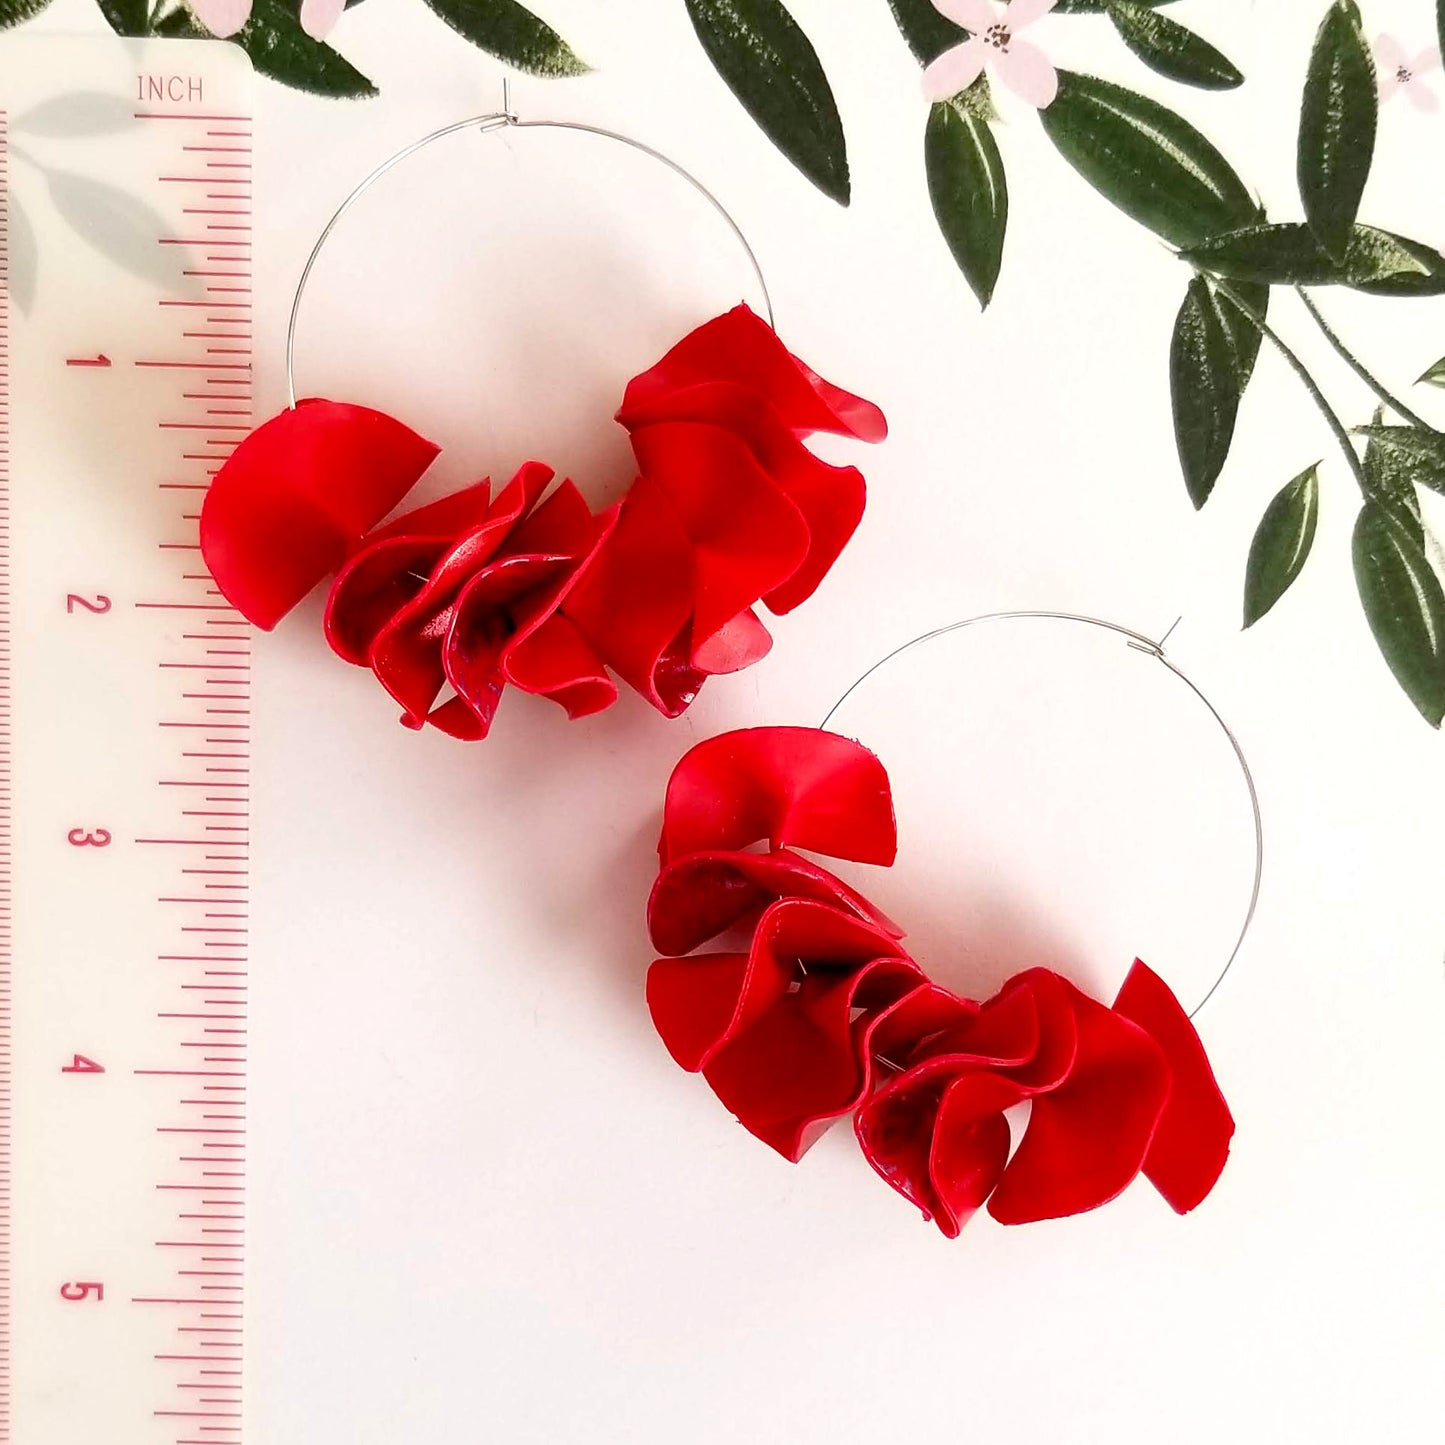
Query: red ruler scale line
{"type": "Point", "coordinates": [188, 712]}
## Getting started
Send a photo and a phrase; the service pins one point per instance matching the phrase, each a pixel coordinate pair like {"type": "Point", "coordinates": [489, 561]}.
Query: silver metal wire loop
{"type": "Point", "coordinates": [504, 119]}
{"type": "Point", "coordinates": [1139, 643]}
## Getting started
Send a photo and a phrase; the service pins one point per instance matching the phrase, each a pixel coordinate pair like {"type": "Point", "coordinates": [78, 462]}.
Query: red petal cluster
{"type": "Point", "coordinates": [470, 593]}
{"type": "Point", "coordinates": [731, 508]}
{"type": "Point", "coordinates": [824, 1014]}
{"type": "Point", "coordinates": [467, 593]}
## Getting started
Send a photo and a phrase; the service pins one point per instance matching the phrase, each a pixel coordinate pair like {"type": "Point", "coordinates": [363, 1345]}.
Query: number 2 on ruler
{"type": "Point", "coordinates": [101, 603]}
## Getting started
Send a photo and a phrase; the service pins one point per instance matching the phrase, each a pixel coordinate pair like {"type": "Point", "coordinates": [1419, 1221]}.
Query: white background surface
{"type": "Point", "coordinates": [485, 1205]}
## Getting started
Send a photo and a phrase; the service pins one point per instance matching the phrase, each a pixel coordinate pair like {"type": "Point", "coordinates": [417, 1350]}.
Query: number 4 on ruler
{"type": "Point", "coordinates": [79, 1064]}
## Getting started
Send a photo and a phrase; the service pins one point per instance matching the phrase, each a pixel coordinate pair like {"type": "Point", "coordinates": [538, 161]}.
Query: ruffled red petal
{"type": "Point", "coordinates": [795, 787]}
{"type": "Point", "coordinates": [704, 894]}
{"type": "Point", "coordinates": [809, 1059]}
{"type": "Point", "coordinates": [296, 496]}
{"type": "Point", "coordinates": [1087, 1138]}
{"type": "Point", "coordinates": [747, 537]}
{"type": "Point", "coordinates": [740, 347]}
{"type": "Point", "coordinates": [634, 602]}
{"type": "Point", "coordinates": [829, 499]}
{"type": "Point", "coordinates": [1191, 1144]}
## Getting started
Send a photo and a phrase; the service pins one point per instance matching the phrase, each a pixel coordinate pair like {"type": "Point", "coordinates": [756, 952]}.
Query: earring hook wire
{"type": "Point", "coordinates": [1138, 643]}
{"type": "Point", "coordinates": [504, 119]}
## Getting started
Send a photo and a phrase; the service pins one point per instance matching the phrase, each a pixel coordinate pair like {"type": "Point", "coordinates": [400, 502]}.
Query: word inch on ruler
{"type": "Point", "coordinates": [125, 382]}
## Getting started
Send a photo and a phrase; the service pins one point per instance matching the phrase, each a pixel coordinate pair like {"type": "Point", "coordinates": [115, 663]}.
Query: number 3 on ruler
{"type": "Point", "coordinates": [83, 1289]}
{"type": "Point", "coordinates": [88, 837]}
{"type": "Point", "coordinates": [74, 600]}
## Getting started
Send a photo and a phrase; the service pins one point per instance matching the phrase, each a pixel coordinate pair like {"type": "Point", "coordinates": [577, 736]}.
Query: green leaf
{"type": "Point", "coordinates": [1337, 127]}
{"type": "Point", "coordinates": [1147, 160]}
{"type": "Point", "coordinates": [1171, 49]}
{"type": "Point", "coordinates": [1211, 359]}
{"type": "Point", "coordinates": [770, 65]}
{"type": "Point", "coordinates": [1097, 7]}
{"type": "Point", "coordinates": [927, 32]}
{"type": "Point", "coordinates": [969, 192]}
{"type": "Point", "coordinates": [1434, 375]}
{"type": "Point", "coordinates": [14, 12]}
{"type": "Point", "coordinates": [127, 17]}
{"type": "Point", "coordinates": [281, 49]}
{"type": "Point", "coordinates": [1440, 22]}
{"type": "Point", "coordinates": [1405, 607]}
{"type": "Point", "coordinates": [1376, 261]}
{"type": "Point", "coordinates": [512, 33]}
{"type": "Point", "coordinates": [1402, 457]}
{"type": "Point", "coordinates": [1281, 544]}
{"type": "Point", "coordinates": [1388, 480]}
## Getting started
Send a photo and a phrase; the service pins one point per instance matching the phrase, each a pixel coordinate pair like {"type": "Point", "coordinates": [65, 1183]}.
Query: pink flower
{"type": "Point", "coordinates": [994, 42]}
{"type": "Point", "coordinates": [223, 18]}
{"type": "Point", "coordinates": [1399, 71]}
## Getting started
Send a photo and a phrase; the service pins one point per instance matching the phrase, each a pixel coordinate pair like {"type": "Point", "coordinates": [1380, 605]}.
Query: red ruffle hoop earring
{"type": "Point", "coordinates": [452, 603]}
{"type": "Point", "coordinates": [816, 1012]}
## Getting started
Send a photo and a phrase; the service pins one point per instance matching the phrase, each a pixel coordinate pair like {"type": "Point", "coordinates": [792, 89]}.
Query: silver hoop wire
{"type": "Point", "coordinates": [504, 119]}
{"type": "Point", "coordinates": [1138, 643]}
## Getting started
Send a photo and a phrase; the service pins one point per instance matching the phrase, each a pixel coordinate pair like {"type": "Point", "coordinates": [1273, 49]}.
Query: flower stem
{"type": "Point", "coordinates": [1300, 370]}
{"type": "Point", "coordinates": [1355, 365]}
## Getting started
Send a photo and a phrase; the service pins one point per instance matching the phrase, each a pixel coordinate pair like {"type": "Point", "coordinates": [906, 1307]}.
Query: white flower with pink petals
{"type": "Point", "coordinates": [224, 18]}
{"type": "Point", "coordinates": [994, 44]}
{"type": "Point", "coordinates": [1399, 71]}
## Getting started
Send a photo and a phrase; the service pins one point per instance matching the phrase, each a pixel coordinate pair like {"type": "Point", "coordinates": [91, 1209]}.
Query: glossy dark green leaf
{"type": "Point", "coordinates": [179, 24]}
{"type": "Point", "coordinates": [1388, 479]}
{"type": "Point", "coordinates": [1440, 23]}
{"type": "Point", "coordinates": [512, 33]}
{"type": "Point", "coordinates": [281, 49]}
{"type": "Point", "coordinates": [927, 32]}
{"type": "Point", "coordinates": [969, 193]}
{"type": "Point", "coordinates": [1211, 358]}
{"type": "Point", "coordinates": [1435, 375]}
{"type": "Point", "coordinates": [1288, 255]}
{"type": "Point", "coordinates": [770, 65]}
{"type": "Point", "coordinates": [125, 17]}
{"type": "Point", "coordinates": [13, 12]}
{"type": "Point", "coordinates": [1414, 452]}
{"type": "Point", "coordinates": [1172, 49]}
{"type": "Point", "coordinates": [1405, 607]}
{"type": "Point", "coordinates": [1097, 7]}
{"type": "Point", "coordinates": [1147, 160]}
{"type": "Point", "coordinates": [1337, 127]}
{"type": "Point", "coordinates": [1282, 543]}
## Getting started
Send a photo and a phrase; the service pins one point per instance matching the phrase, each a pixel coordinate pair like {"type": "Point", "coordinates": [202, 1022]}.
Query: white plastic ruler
{"type": "Point", "coordinates": [125, 351]}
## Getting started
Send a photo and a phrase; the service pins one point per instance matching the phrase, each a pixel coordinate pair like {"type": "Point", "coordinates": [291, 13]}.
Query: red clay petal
{"type": "Point", "coordinates": [1086, 1141]}
{"type": "Point", "coordinates": [806, 1062]}
{"type": "Point", "coordinates": [748, 538]}
{"type": "Point", "coordinates": [563, 524]}
{"type": "Point", "coordinates": [740, 347]}
{"type": "Point", "coordinates": [1191, 1144]}
{"type": "Point", "coordinates": [293, 499]}
{"type": "Point", "coordinates": [634, 602]}
{"type": "Point", "coordinates": [556, 661]}
{"type": "Point", "coordinates": [699, 1003]}
{"type": "Point", "coordinates": [736, 645]}
{"type": "Point", "coordinates": [803, 934]}
{"type": "Point", "coordinates": [701, 896]}
{"type": "Point", "coordinates": [970, 1147]}
{"type": "Point", "coordinates": [796, 787]}
{"type": "Point", "coordinates": [482, 622]}
{"type": "Point", "coordinates": [830, 499]}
